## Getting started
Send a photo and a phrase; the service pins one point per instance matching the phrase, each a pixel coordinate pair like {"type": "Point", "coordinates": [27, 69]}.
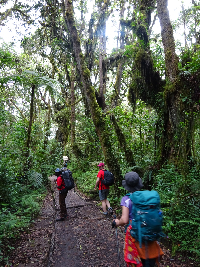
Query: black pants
{"type": "Point", "coordinates": [63, 210]}
{"type": "Point", "coordinates": [149, 262]}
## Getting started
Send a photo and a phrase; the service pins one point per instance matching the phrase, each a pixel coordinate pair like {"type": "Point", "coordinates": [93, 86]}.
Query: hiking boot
{"type": "Point", "coordinates": [110, 210]}
{"type": "Point", "coordinates": [105, 213]}
{"type": "Point", "coordinates": [60, 219]}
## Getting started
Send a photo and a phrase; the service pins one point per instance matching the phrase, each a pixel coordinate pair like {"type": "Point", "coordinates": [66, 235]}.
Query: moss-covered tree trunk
{"type": "Point", "coordinates": [96, 113]}
{"type": "Point", "coordinates": [30, 121]}
{"type": "Point", "coordinates": [178, 118]}
{"type": "Point", "coordinates": [73, 118]}
{"type": "Point", "coordinates": [75, 148]}
{"type": "Point", "coordinates": [122, 142]}
{"type": "Point", "coordinates": [47, 125]}
{"type": "Point", "coordinates": [28, 141]}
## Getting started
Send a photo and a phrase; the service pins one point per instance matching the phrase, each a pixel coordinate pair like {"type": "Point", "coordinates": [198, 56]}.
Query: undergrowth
{"type": "Point", "coordinates": [181, 207]}
{"type": "Point", "coordinates": [16, 218]}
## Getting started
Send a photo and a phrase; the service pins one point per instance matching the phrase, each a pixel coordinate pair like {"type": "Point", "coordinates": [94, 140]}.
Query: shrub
{"type": "Point", "coordinates": [181, 207]}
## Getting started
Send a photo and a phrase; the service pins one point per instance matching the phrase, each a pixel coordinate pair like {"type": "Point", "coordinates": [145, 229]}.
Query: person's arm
{"type": "Point", "coordinates": [97, 183]}
{"type": "Point", "coordinates": [124, 218]}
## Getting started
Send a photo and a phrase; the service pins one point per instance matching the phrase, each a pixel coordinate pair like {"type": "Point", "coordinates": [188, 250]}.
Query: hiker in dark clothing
{"type": "Point", "coordinates": [135, 256]}
{"type": "Point", "coordinates": [62, 195]}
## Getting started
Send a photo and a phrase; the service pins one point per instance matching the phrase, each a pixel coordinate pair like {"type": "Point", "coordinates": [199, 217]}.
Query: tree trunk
{"type": "Point", "coordinates": [171, 59]}
{"type": "Point", "coordinates": [30, 121]}
{"type": "Point", "coordinates": [102, 53]}
{"type": "Point", "coordinates": [97, 116]}
{"type": "Point", "coordinates": [28, 142]}
{"type": "Point", "coordinates": [75, 148]}
{"type": "Point", "coordinates": [48, 125]}
{"type": "Point", "coordinates": [73, 119]}
{"type": "Point", "coordinates": [178, 117]}
{"type": "Point", "coordinates": [122, 142]}
{"type": "Point", "coordinates": [117, 85]}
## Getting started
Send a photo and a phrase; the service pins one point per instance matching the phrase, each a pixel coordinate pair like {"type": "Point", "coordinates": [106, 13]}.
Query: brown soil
{"type": "Point", "coordinates": [85, 238]}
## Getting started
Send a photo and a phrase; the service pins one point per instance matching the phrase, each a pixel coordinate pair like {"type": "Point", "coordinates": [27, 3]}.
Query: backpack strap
{"type": "Point", "coordinates": [62, 177]}
{"type": "Point", "coordinates": [139, 223]}
{"type": "Point", "coordinates": [139, 233]}
{"type": "Point", "coordinates": [130, 221]}
{"type": "Point", "coordinates": [102, 179]}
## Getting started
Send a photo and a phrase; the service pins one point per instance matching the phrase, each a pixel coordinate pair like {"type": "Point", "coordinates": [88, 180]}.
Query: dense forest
{"type": "Point", "coordinates": [132, 102]}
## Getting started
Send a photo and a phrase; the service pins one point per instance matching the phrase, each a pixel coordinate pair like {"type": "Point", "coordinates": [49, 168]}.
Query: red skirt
{"type": "Point", "coordinates": [131, 255]}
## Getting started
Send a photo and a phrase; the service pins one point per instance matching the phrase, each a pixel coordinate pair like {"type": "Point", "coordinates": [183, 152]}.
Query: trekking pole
{"type": "Point", "coordinates": [117, 244]}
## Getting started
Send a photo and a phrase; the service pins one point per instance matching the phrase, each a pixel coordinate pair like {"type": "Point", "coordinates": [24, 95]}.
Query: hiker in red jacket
{"type": "Point", "coordinates": [62, 195]}
{"type": "Point", "coordinates": [103, 190]}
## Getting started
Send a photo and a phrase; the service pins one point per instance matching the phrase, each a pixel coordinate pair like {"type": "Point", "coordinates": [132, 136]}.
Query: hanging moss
{"type": "Point", "coordinates": [122, 142]}
{"type": "Point", "coordinates": [86, 73]}
{"type": "Point", "coordinates": [142, 34]}
{"type": "Point", "coordinates": [146, 83]}
{"type": "Point", "coordinates": [62, 116]}
{"type": "Point", "coordinates": [132, 95]}
{"type": "Point", "coordinates": [170, 88]}
{"type": "Point", "coordinates": [69, 13]}
{"type": "Point", "coordinates": [77, 152]}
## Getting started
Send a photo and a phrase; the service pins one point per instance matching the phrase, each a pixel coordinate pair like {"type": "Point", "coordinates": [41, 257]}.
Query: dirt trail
{"type": "Point", "coordinates": [86, 238]}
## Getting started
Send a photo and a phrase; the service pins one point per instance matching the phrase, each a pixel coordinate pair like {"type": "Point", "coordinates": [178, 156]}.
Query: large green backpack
{"type": "Point", "coordinates": [147, 216]}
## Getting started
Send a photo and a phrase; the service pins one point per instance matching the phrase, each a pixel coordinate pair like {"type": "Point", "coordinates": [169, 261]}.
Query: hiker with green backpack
{"type": "Point", "coordinates": [143, 219]}
{"type": "Point", "coordinates": [104, 180]}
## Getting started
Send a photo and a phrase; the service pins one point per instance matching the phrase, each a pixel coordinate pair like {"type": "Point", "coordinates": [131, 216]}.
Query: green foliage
{"type": "Point", "coordinates": [7, 58]}
{"type": "Point", "coordinates": [138, 129]}
{"type": "Point", "coordinates": [181, 207]}
{"type": "Point", "coordinates": [190, 17]}
{"type": "Point", "coordinates": [87, 141]}
{"type": "Point", "coordinates": [15, 220]}
{"type": "Point", "coordinates": [190, 61]}
{"type": "Point", "coordinates": [158, 56]}
{"type": "Point", "coordinates": [86, 181]}
{"type": "Point", "coordinates": [23, 180]}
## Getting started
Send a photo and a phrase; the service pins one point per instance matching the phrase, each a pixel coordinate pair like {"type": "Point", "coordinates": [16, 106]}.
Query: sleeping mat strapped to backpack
{"type": "Point", "coordinates": [147, 216]}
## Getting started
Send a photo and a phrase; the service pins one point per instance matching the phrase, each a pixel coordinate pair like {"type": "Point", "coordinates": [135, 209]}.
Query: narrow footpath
{"type": "Point", "coordinates": [85, 238]}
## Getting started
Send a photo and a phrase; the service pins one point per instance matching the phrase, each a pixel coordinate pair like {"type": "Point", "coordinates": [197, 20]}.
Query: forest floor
{"type": "Point", "coordinates": [85, 238]}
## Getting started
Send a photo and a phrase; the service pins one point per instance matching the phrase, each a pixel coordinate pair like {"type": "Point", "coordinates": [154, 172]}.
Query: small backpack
{"type": "Point", "coordinates": [147, 216]}
{"type": "Point", "coordinates": [69, 181]}
{"type": "Point", "coordinates": [108, 178]}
